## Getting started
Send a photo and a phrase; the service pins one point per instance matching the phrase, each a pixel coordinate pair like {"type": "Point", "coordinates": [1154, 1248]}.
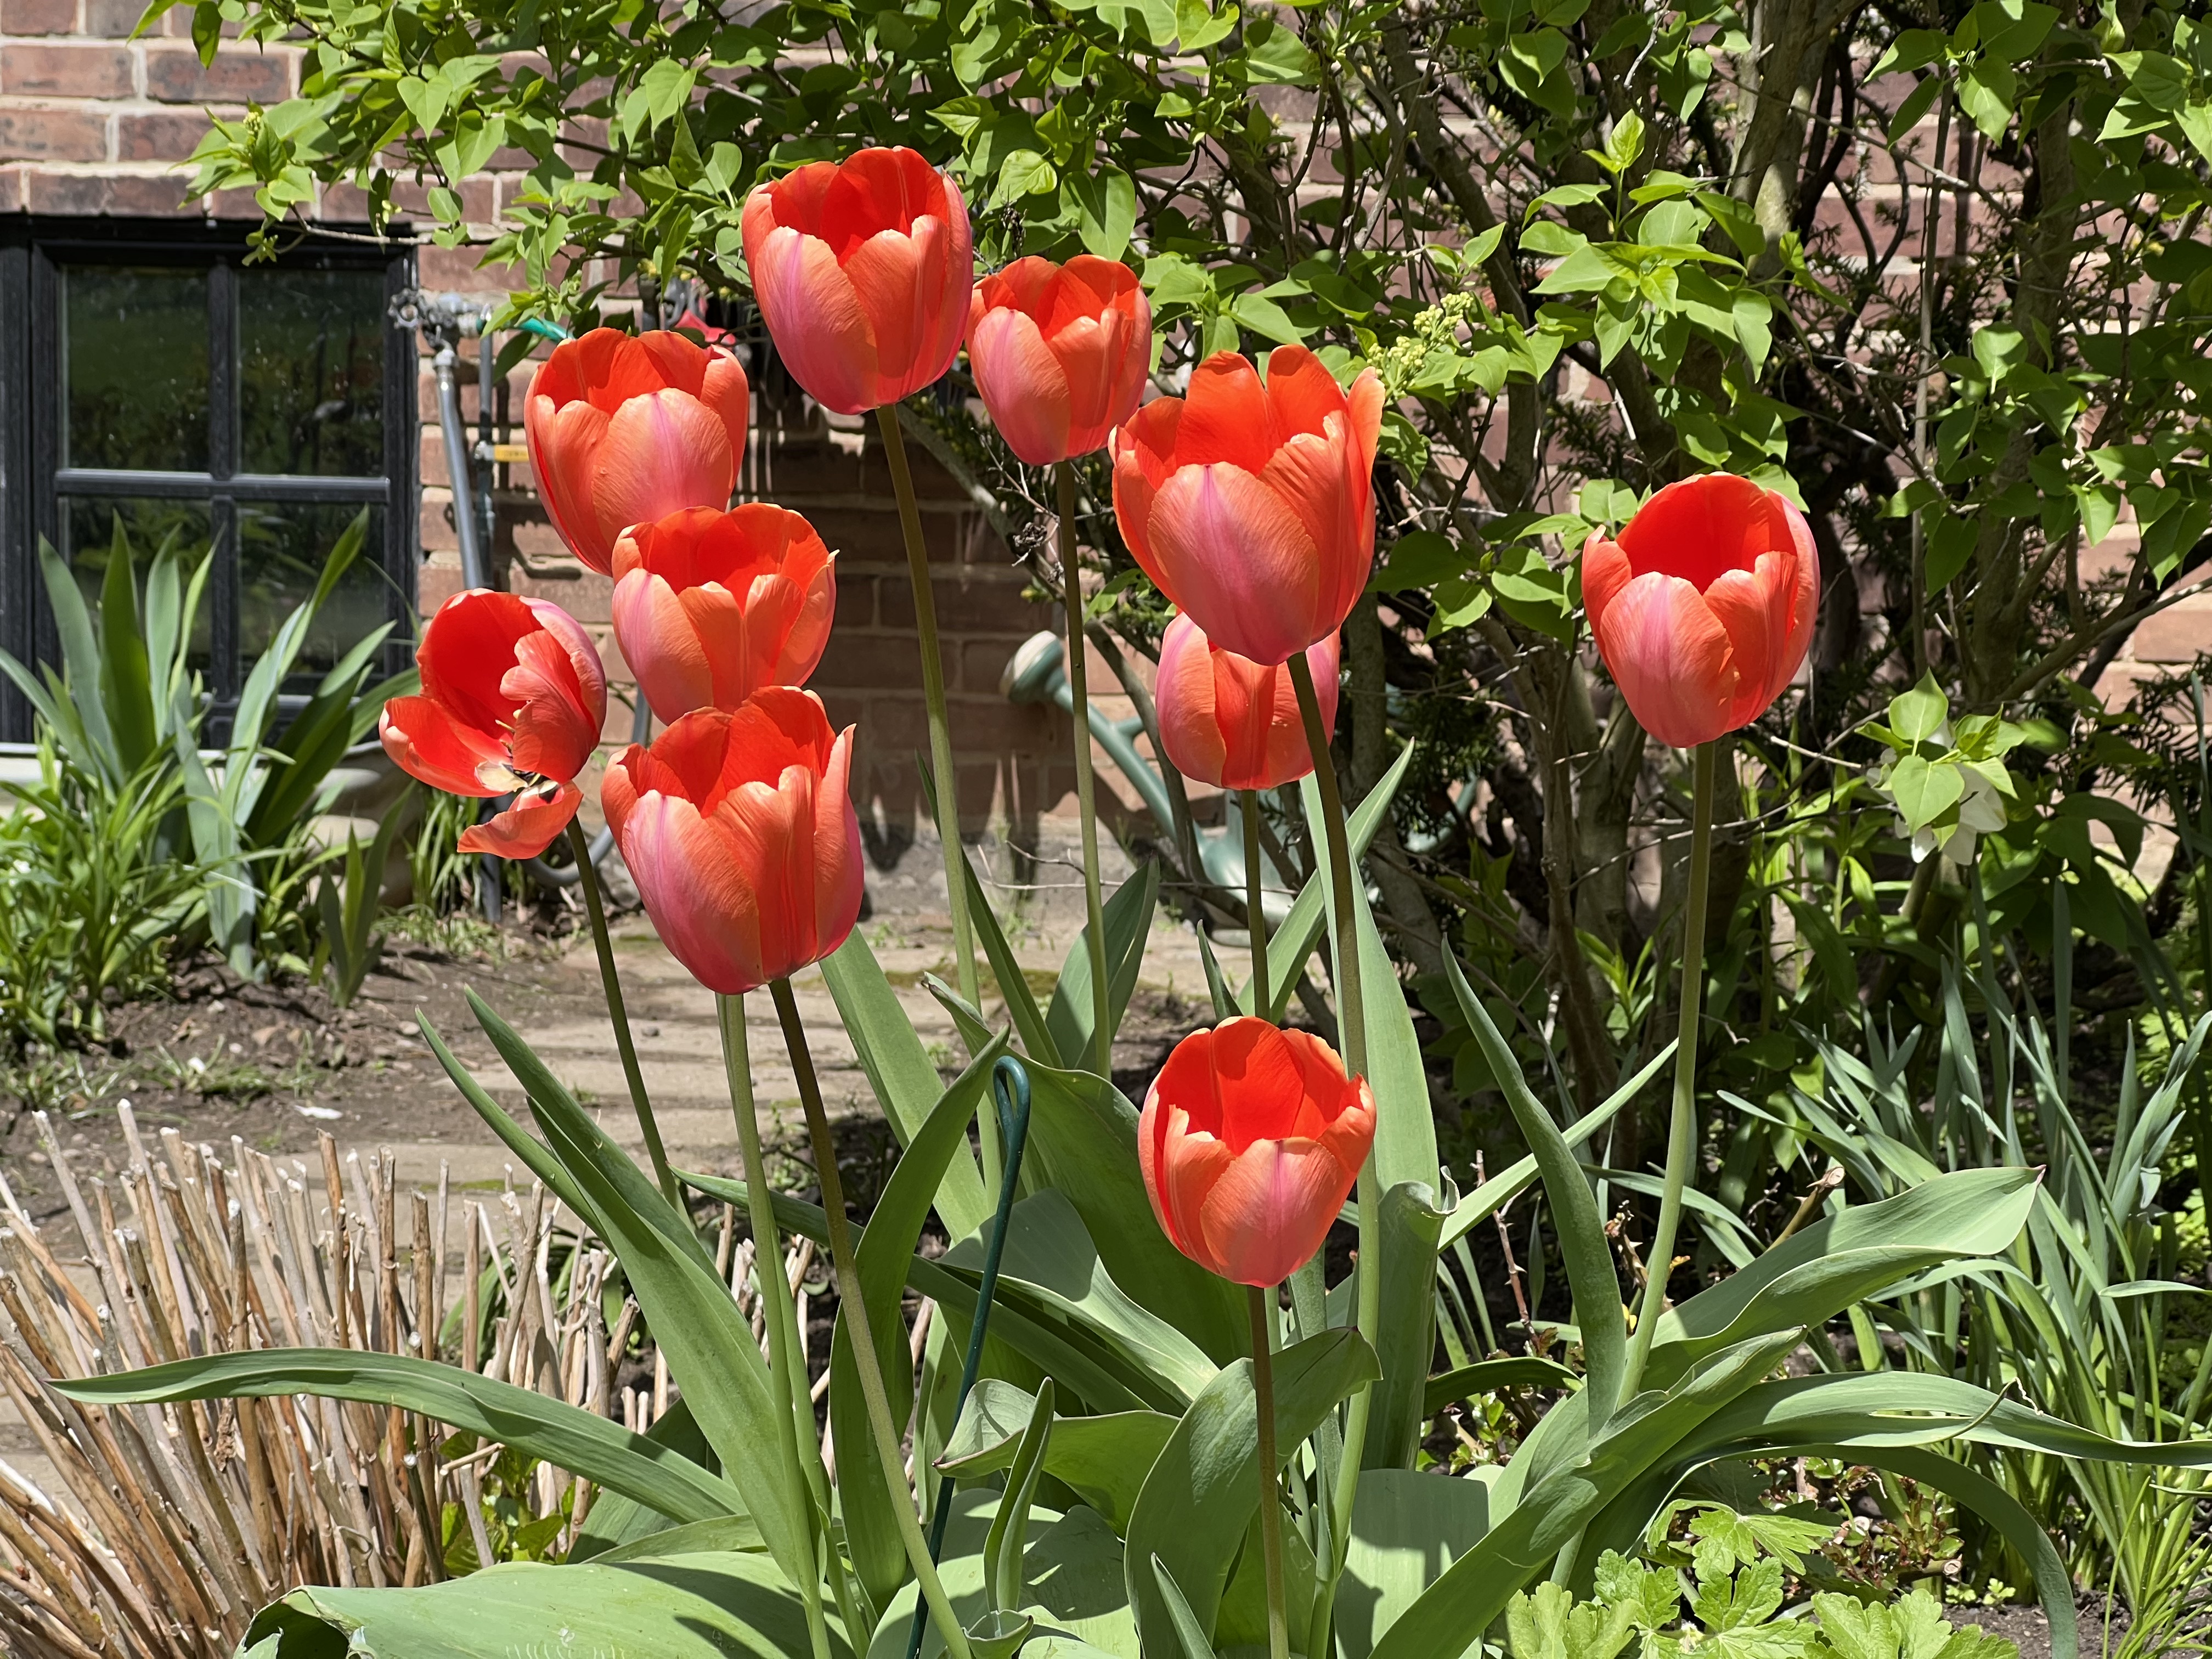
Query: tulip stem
{"type": "Point", "coordinates": [1682, 1130]}
{"type": "Point", "coordinates": [588, 879]}
{"type": "Point", "coordinates": [783, 1338]}
{"type": "Point", "coordinates": [1271, 1503]}
{"type": "Point", "coordinates": [933, 691]}
{"type": "Point", "coordinates": [853, 1303]}
{"type": "Point", "coordinates": [1087, 794]}
{"type": "Point", "coordinates": [1352, 1027]}
{"type": "Point", "coordinates": [1255, 919]}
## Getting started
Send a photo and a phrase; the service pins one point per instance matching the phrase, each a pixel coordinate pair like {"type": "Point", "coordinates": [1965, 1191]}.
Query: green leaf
{"type": "Point", "coordinates": [1002, 1547]}
{"type": "Point", "coordinates": [1083, 1144]}
{"type": "Point", "coordinates": [81, 665]}
{"type": "Point", "coordinates": [1918, 714]}
{"type": "Point", "coordinates": [1051, 1266]}
{"type": "Point", "coordinates": [1924, 790]}
{"type": "Point", "coordinates": [872, 1530]}
{"type": "Point", "coordinates": [1127, 918]}
{"type": "Point", "coordinates": [1842, 1259]}
{"type": "Point", "coordinates": [581, 1441]}
{"type": "Point", "coordinates": [1105, 208]}
{"type": "Point", "coordinates": [124, 679]}
{"type": "Point", "coordinates": [1204, 1489]}
{"type": "Point", "coordinates": [1407, 1528]}
{"type": "Point", "coordinates": [1274, 55]}
{"type": "Point", "coordinates": [1023, 173]}
{"type": "Point", "coordinates": [1489, 1376]}
{"type": "Point", "coordinates": [1986, 92]}
{"type": "Point", "coordinates": [720, 1606]}
{"type": "Point", "coordinates": [1405, 1337]}
{"type": "Point", "coordinates": [900, 1071]}
{"type": "Point", "coordinates": [1104, 1459]}
{"type": "Point", "coordinates": [710, 1346]}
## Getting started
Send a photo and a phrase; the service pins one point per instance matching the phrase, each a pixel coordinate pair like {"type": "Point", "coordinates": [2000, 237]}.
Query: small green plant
{"type": "Point", "coordinates": [350, 945]}
{"type": "Point", "coordinates": [1735, 1578]}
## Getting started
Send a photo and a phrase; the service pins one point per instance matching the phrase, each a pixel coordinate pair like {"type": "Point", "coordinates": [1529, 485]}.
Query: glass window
{"type": "Point", "coordinates": [281, 549]}
{"type": "Point", "coordinates": [311, 372]}
{"type": "Point", "coordinates": [135, 347]}
{"type": "Point", "coordinates": [88, 523]}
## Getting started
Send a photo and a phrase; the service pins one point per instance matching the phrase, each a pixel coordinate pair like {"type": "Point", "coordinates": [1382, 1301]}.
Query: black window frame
{"type": "Point", "coordinates": [33, 484]}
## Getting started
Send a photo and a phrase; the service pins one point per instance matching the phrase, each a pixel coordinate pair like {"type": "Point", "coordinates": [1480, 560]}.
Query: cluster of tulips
{"type": "Point", "coordinates": [1249, 500]}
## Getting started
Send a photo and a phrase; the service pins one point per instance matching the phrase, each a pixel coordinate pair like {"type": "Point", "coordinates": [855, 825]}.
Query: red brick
{"type": "Point", "coordinates": [162, 137]}
{"type": "Point", "coordinates": [2181, 634]}
{"type": "Point", "coordinates": [233, 204]}
{"type": "Point", "coordinates": [65, 71]}
{"type": "Point", "coordinates": [996, 606]}
{"type": "Point", "coordinates": [11, 190]}
{"type": "Point", "coordinates": [151, 194]}
{"type": "Point", "coordinates": [118, 19]}
{"type": "Point", "coordinates": [176, 75]}
{"type": "Point", "coordinates": [437, 582]}
{"type": "Point", "coordinates": [38, 16]}
{"type": "Point", "coordinates": [870, 661]}
{"type": "Point", "coordinates": [983, 661]}
{"type": "Point", "coordinates": [52, 135]}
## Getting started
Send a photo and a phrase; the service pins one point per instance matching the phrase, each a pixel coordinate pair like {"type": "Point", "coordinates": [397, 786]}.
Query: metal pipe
{"type": "Point", "coordinates": [487, 403]}
{"type": "Point", "coordinates": [457, 466]}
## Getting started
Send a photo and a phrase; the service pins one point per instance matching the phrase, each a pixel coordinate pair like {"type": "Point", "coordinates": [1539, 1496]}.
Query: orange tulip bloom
{"type": "Point", "coordinates": [1234, 723]}
{"type": "Point", "coordinates": [709, 607]}
{"type": "Point", "coordinates": [1249, 1141]}
{"type": "Point", "coordinates": [1060, 353]}
{"type": "Point", "coordinates": [512, 700]}
{"type": "Point", "coordinates": [626, 429]}
{"type": "Point", "coordinates": [1703, 609]}
{"type": "Point", "coordinates": [1253, 506]}
{"type": "Point", "coordinates": [740, 834]}
{"type": "Point", "coordinates": [862, 268]}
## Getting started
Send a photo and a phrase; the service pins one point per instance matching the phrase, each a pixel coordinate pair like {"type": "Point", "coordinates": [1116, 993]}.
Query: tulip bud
{"type": "Point", "coordinates": [1060, 353]}
{"type": "Point", "coordinates": [626, 429]}
{"type": "Point", "coordinates": [1252, 506]}
{"type": "Point", "coordinates": [740, 834]}
{"type": "Point", "coordinates": [1703, 609]}
{"type": "Point", "coordinates": [862, 268]}
{"type": "Point", "coordinates": [1249, 1142]}
{"type": "Point", "coordinates": [710, 607]}
{"type": "Point", "coordinates": [1232, 722]}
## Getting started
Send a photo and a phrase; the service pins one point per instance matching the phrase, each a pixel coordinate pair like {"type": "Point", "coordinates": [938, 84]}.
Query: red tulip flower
{"type": "Point", "coordinates": [1252, 506]}
{"type": "Point", "coordinates": [1060, 353]}
{"type": "Point", "coordinates": [1234, 723]}
{"type": "Point", "coordinates": [626, 429]}
{"type": "Point", "coordinates": [740, 834]}
{"type": "Point", "coordinates": [862, 268]}
{"type": "Point", "coordinates": [710, 607]}
{"type": "Point", "coordinates": [512, 700]}
{"type": "Point", "coordinates": [1703, 609]}
{"type": "Point", "coordinates": [1250, 1140]}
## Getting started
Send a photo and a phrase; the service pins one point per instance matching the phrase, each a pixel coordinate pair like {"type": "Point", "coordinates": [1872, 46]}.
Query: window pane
{"type": "Point", "coordinates": [281, 548]}
{"type": "Point", "coordinates": [88, 536]}
{"type": "Point", "coordinates": [311, 372]}
{"type": "Point", "coordinates": [135, 361]}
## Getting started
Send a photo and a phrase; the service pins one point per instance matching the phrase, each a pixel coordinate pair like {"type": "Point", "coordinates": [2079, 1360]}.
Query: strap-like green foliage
{"type": "Point", "coordinates": [581, 1441]}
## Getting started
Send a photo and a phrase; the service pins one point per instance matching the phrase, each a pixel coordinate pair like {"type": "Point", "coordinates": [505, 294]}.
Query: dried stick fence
{"type": "Point", "coordinates": [173, 1525]}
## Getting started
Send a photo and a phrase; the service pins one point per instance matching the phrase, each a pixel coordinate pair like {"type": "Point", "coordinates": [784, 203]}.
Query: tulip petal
{"type": "Point", "coordinates": [662, 452]}
{"type": "Point", "coordinates": [1193, 1163]}
{"type": "Point", "coordinates": [583, 656]}
{"type": "Point", "coordinates": [662, 646]}
{"type": "Point", "coordinates": [1225, 416]}
{"type": "Point", "coordinates": [696, 890]}
{"type": "Point", "coordinates": [466, 653]}
{"type": "Point", "coordinates": [1754, 607]}
{"type": "Point", "coordinates": [839, 875]}
{"type": "Point", "coordinates": [822, 330]}
{"type": "Point", "coordinates": [724, 390]}
{"type": "Point", "coordinates": [1239, 560]}
{"type": "Point", "coordinates": [552, 734]}
{"type": "Point", "coordinates": [1324, 482]}
{"type": "Point", "coordinates": [1260, 1082]}
{"type": "Point", "coordinates": [426, 742]}
{"type": "Point", "coordinates": [527, 828]}
{"type": "Point", "coordinates": [1184, 697]}
{"type": "Point", "coordinates": [1023, 385]}
{"type": "Point", "coordinates": [1605, 572]}
{"type": "Point", "coordinates": [1671, 659]}
{"type": "Point", "coordinates": [1272, 1208]}
{"type": "Point", "coordinates": [563, 438]}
